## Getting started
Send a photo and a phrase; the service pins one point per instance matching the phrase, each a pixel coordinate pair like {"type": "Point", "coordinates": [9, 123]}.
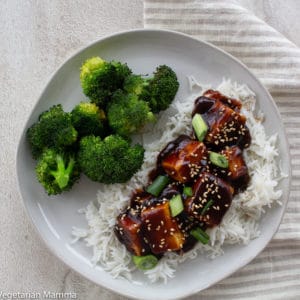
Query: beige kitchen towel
{"type": "Point", "coordinates": [275, 273]}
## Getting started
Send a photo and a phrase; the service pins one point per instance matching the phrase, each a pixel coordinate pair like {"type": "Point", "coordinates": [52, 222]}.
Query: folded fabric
{"type": "Point", "coordinates": [275, 61]}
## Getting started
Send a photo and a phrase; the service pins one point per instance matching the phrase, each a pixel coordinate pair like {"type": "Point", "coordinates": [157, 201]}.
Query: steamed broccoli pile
{"type": "Point", "coordinates": [94, 138]}
{"type": "Point", "coordinates": [110, 160]}
{"type": "Point", "coordinates": [54, 129]}
{"type": "Point", "coordinates": [57, 171]}
{"type": "Point", "coordinates": [158, 91]}
{"type": "Point", "coordinates": [122, 94]}
{"type": "Point", "coordinates": [88, 118]}
{"type": "Point", "coordinates": [100, 79]}
{"type": "Point", "coordinates": [127, 113]}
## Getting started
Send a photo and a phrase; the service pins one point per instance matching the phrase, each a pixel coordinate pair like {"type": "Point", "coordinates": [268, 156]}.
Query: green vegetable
{"type": "Point", "coordinates": [111, 160]}
{"type": "Point", "coordinates": [200, 127]}
{"type": "Point", "coordinates": [160, 90]}
{"type": "Point", "coordinates": [176, 205]}
{"type": "Point", "coordinates": [188, 191]}
{"type": "Point", "coordinates": [88, 119]}
{"type": "Point", "coordinates": [206, 207]}
{"type": "Point", "coordinates": [53, 130]}
{"type": "Point", "coordinates": [218, 159]}
{"type": "Point", "coordinates": [57, 171]}
{"type": "Point", "coordinates": [145, 262]}
{"type": "Point", "coordinates": [135, 84]}
{"type": "Point", "coordinates": [200, 235]}
{"type": "Point", "coordinates": [127, 114]}
{"type": "Point", "coordinates": [100, 79]}
{"type": "Point", "coordinates": [157, 185]}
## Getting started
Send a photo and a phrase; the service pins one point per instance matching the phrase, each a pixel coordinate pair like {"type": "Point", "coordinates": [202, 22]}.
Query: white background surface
{"type": "Point", "coordinates": [36, 37]}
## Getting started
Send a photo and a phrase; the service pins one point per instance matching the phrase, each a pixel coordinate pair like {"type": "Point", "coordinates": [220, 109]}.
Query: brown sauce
{"type": "Point", "coordinates": [209, 183]}
{"type": "Point", "coordinates": [218, 115]}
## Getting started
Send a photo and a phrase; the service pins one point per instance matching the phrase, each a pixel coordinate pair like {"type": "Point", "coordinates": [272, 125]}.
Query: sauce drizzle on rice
{"type": "Point", "coordinates": [238, 226]}
{"type": "Point", "coordinates": [161, 217]}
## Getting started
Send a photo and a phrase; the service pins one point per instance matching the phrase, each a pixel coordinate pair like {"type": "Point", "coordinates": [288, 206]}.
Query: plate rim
{"type": "Point", "coordinates": [50, 78]}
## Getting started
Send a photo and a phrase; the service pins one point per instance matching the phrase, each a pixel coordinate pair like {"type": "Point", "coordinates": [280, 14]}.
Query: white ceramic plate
{"type": "Point", "coordinates": [54, 217]}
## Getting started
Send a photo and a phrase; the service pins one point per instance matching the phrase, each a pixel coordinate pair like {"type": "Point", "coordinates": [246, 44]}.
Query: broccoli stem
{"type": "Point", "coordinates": [62, 174]}
{"type": "Point", "coordinates": [151, 117]}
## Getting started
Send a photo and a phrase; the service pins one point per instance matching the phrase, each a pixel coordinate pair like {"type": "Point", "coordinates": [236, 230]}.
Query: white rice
{"type": "Point", "coordinates": [240, 223]}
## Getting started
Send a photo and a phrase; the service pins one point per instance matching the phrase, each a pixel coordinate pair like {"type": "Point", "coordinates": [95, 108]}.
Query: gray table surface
{"type": "Point", "coordinates": [36, 37]}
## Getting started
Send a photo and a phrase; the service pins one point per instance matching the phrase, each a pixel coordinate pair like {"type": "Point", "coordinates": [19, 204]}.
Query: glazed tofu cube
{"type": "Point", "coordinates": [160, 229]}
{"type": "Point", "coordinates": [128, 231]}
{"type": "Point", "coordinates": [237, 174]}
{"type": "Point", "coordinates": [185, 161]}
{"type": "Point", "coordinates": [211, 199]}
{"type": "Point", "coordinates": [234, 104]}
{"type": "Point", "coordinates": [226, 126]}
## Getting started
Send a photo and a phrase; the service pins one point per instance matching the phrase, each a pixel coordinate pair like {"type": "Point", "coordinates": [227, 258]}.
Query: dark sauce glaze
{"type": "Point", "coordinates": [184, 161]}
{"type": "Point", "coordinates": [218, 115]}
{"type": "Point", "coordinates": [207, 188]}
{"type": "Point", "coordinates": [234, 104]}
{"type": "Point", "coordinates": [208, 182]}
{"type": "Point", "coordinates": [172, 146]}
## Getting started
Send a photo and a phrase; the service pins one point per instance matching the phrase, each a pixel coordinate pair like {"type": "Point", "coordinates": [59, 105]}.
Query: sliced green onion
{"type": "Point", "coordinates": [176, 205]}
{"type": "Point", "coordinates": [200, 235]}
{"type": "Point", "coordinates": [200, 127]}
{"type": "Point", "coordinates": [145, 262]}
{"type": "Point", "coordinates": [218, 159]}
{"type": "Point", "coordinates": [206, 207]}
{"type": "Point", "coordinates": [187, 190]}
{"type": "Point", "coordinates": [157, 185]}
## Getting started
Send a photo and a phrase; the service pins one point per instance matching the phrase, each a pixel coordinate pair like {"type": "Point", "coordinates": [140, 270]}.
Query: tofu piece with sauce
{"type": "Point", "coordinates": [160, 229]}
{"type": "Point", "coordinates": [211, 199]}
{"type": "Point", "coordinates": [237, 174]}
{"type": "Point", "coordinates": [234, 104]}
{"type": "Point", "coordinates": [128, 231]}
{"type": "Point", "coordinates": [226, 125]}
{"type": "Point", "coordinates": [185, 160]}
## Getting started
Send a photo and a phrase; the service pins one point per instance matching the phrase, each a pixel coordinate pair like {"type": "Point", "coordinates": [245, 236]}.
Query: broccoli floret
{"type": "Point", "coordinates": [161, 90]}
{"type": "Point", "coordinates": [57, 171]}
{"type": "Point", "coordinates": [53, 130]}
{"type": "Point", "coordinates": [127, 114]}
{"type": "Point", "coordinates": [135, 84]}
{"type": "Point", "coordinates": [111, 160]}
{"type": "Point", "coordinates": [99, 79]}
{"type": "Point", "coordinates": [88, 118]}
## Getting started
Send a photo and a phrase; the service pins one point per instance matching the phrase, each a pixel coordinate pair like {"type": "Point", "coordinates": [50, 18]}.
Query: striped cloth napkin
{"type": "Point", "coordinates": [275, 273]}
